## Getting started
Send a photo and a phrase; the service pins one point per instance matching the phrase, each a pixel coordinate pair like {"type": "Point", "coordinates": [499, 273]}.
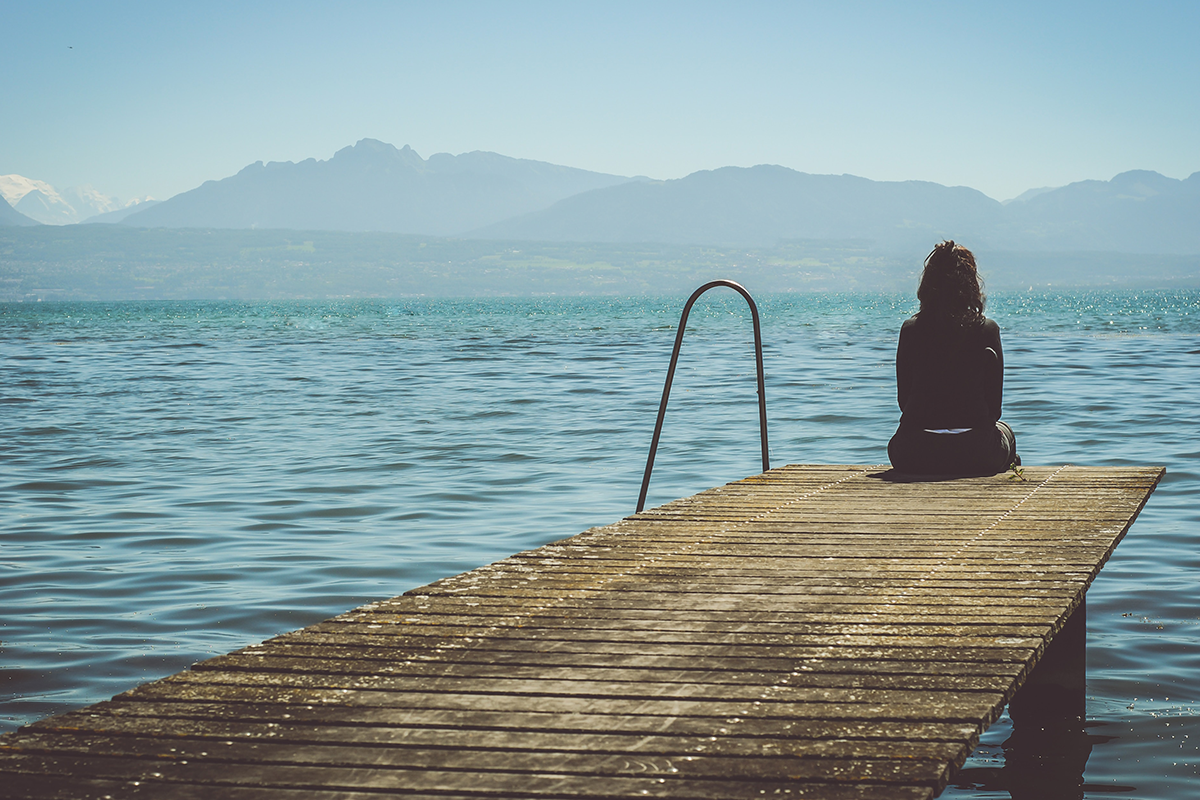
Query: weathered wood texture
{"type": "Point", "coordinates": [813, 632]}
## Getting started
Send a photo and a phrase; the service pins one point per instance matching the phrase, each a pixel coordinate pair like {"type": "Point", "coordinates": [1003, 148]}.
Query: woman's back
{"type": "Point", "coordinates": [945, 375]}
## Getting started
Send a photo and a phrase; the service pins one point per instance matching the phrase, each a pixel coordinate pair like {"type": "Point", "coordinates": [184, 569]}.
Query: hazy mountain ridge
{"type": "Point", "coordinates": [120, 214]}
{"type": "Point", "coordinates": [373, 186]}
{"type": "Point", "coordinates": [1138, 212]}
{"type": "Point", "coordinates": [10, 217]}
{"type": "Point", "coordinates": [43, 203]}
{"type": "Point", "coordinates": [759, 206]}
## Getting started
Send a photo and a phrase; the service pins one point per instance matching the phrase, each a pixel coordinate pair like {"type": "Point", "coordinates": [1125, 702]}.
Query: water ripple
{"type": "Point", "coordinates": [182, 479]}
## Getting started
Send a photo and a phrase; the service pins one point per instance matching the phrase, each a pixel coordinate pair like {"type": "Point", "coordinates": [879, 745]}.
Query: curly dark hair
{"type": "Point", "coordinates": [951, 288]}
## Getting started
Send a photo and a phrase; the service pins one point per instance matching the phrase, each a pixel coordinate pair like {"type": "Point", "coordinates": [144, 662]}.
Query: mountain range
{"type": "Point", "coordinates": [374, 186]}
{"type": "Point", "coordinates": [39, 202]}
{"type": "Point", "coordinates": [1135, 212]}
{"type": "Point", "coordinates": [758, 206]}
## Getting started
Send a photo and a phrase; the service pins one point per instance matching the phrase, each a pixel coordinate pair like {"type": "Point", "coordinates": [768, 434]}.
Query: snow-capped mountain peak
{"type": "Point", "coordinates": [42, 202]}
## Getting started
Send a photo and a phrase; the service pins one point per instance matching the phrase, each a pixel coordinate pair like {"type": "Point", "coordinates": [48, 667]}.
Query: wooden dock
{"type": "Point", "coordinates": [812, 632]}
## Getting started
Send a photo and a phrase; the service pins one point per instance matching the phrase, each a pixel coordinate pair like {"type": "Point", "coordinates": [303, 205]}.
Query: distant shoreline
{"type": "Point", "coordinates": [118, 263]}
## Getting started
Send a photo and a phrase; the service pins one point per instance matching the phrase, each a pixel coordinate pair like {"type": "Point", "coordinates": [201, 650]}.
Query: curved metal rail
{"type": "Point", "coordinates": [662, 406]}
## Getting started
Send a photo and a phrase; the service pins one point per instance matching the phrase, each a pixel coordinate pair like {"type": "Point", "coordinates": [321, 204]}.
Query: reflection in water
{"type": "Point", "coordinates": [1040, 762]}
{"type": "Point", "coordinates": [1048, 747]}
{"type": "Point", "coordinates": [1046, 760]}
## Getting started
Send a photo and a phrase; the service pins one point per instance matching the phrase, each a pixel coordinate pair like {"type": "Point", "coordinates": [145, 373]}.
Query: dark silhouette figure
{"type": "Point", "coordinates": [950, 376]}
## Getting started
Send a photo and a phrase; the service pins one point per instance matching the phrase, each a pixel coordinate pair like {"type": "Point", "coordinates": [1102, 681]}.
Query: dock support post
{"type": "Point", "coordinates": [1049, 747]}
{"type": "Point", "coordinates": [1057, 687]}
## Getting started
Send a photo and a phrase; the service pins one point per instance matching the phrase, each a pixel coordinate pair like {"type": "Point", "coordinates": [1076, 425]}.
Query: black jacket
{"type": "Point", "coordinates": [945, 375]}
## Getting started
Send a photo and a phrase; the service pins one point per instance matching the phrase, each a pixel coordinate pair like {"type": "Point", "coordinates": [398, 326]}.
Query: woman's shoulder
{"type": "Point", "coordinates": [985, 328]}
{"type": "Point", "coordinates": [989, 332]}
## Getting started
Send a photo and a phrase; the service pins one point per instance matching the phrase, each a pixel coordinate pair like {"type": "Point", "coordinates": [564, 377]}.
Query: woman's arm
{"type": "Point", "coordinates": [993, 375]}
{"type": "Point", "coordinates": [904, 370]}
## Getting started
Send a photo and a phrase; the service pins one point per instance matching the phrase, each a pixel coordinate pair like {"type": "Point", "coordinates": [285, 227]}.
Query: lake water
{"type": "Point", "coordinates": [178, 480]}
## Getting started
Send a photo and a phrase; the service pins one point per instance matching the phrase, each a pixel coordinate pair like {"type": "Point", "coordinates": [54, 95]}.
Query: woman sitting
{"type": "Point", "coordinates": [950, 376]}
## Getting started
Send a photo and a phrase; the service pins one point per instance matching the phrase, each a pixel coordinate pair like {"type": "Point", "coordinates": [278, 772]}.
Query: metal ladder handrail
{"type": "Point", "coordinates": [662, 406]}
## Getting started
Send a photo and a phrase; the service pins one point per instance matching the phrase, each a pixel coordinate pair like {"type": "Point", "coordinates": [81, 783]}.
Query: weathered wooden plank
{"type": "Point", "coordinates": [945, 706]}
{"type": "Point", "coordinates": [628, 627]}
{"type": "Point", "coordinates": [860, 592]}
{"type": "Point", "coordinates": [818, 631]}
{"type": "Point", "coordinates": [477, 662]}
{"type": "Point", "coordinates": [747, 638]}
{"type": "Point", "coordinates": [801, 654]}
{"type": "Point", "coordinates": [580, 687]}
{"type": "Point", "coordinates": [416, 606]}
{"type": "Point", "coordinates": [327, 717]}
{"type": "Point", "coordinates": [860, 762]}
{"type": "Point", "coordinates": [162, 778]}
{"type": "Point", "coordinates": [866, 625]}
{"type": "Point", "coordinates": [483, 667]}
{"type": "Point", "coordinates": [737, 668]}
{"type": "Point", "coordinates": [200, 736]}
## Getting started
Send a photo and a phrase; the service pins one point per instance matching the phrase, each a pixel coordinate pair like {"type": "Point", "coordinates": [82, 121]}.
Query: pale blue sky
{"type": "Point", "coordinates": [156, 98]}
